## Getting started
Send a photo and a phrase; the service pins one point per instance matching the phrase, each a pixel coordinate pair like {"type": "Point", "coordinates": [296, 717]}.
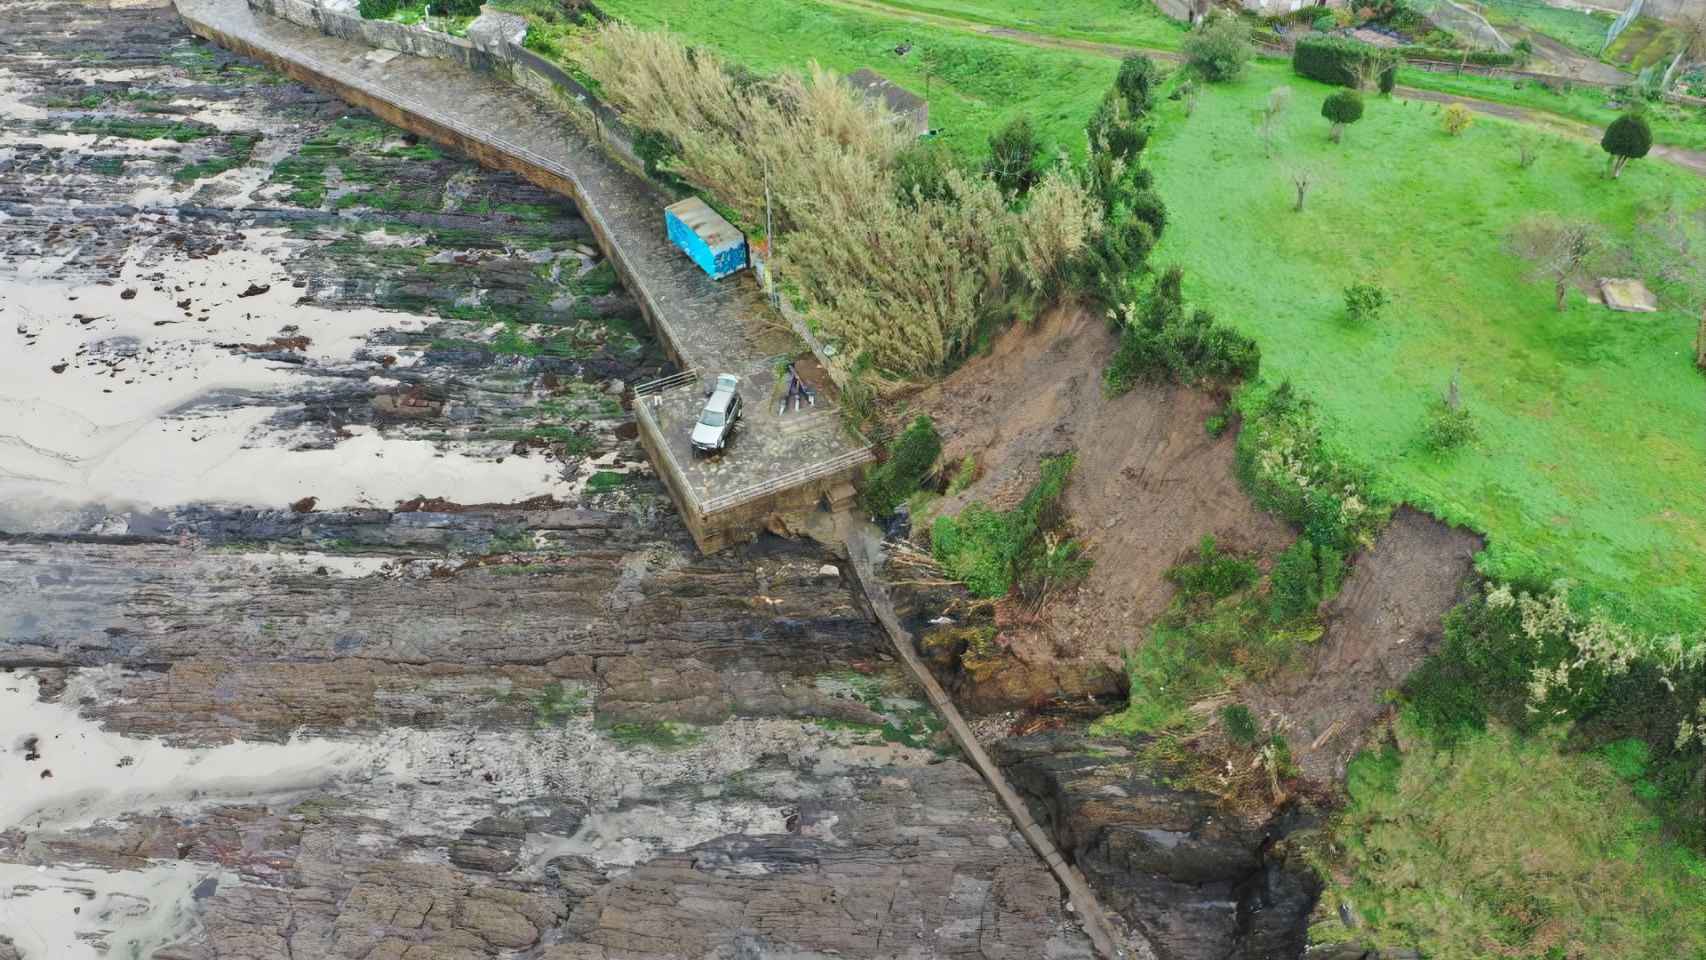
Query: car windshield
{"type": "Point", "coordinates": [711, 418]}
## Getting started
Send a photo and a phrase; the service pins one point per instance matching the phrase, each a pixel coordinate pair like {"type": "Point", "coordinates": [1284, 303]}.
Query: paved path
{"type": "Point", "coordinates": [713, 326]}
{"type": "Point", "coordinates": [864, 549]}
{"type": "Point", "coordinates": [1692, 160]}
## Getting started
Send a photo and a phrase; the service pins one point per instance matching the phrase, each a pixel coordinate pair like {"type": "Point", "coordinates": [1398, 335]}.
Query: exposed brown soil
{"type": "Point", "coordinates": [440, 505]}
{"type": "Point", "coordinates": [1382, 624]}
{"type": "Point", "coordinates": [1150, 482]}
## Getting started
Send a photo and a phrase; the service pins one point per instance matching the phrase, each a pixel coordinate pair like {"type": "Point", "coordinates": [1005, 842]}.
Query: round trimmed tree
{"type": "Point", "coordinates": [1342, 108]}
{"type": "Point", "coordinates": [1628, 138]}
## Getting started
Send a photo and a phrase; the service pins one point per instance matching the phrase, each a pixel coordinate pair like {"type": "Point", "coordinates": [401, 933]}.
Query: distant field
{"type": "Point", "coordinates": [1643, 43]}
{"type": "Point", "coordinates": [975, 84]}
{"type": "Point", "coordinates": [1672, 124]}
{"type": "Point", "coordinates": [1583, 32]}
{"type": "Point", "coordinates": [1504, 847]}
{"type": "Point", "coordinates": [1591, 456]}
{"type": "Point", "coordinates": [1130, 22]}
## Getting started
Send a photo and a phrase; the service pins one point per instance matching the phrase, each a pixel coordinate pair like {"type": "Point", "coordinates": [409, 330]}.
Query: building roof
{"type": "Point", "coordinates": [876, 86]}
{"type": "Point", "coordinates": [710, 226]}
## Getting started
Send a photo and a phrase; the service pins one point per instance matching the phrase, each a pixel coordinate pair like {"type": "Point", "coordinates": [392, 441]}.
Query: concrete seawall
{"type": "Point", "coordinates": [864, 551]}
{"type": "Point", "coordinates": [718, 326]}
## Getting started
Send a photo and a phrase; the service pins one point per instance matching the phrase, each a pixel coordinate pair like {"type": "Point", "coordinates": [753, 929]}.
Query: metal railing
{"type": "Point", "coordinates": [643, 414]}
{"type": "Point", "coordinates": [792, 478]}
{"type": "Point", "coordinates": [661, 384]}
{"type": "Point", "coordinates": [588, 207]}
{"type": "Point", "coordinates": [421, 110]}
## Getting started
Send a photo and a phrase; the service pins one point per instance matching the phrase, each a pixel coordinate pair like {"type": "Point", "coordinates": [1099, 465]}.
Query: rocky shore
{"type": "Point", "coordinates": [340, 614]}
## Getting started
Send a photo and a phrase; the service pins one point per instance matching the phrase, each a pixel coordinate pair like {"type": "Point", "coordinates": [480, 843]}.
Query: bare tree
{"type": "Point", "coordinates": [1527, 148]}
{"type": "Point", "coordinates": [1561, 250]}
{"type": "Point", "coordinates": [1302, 178]}
{"type": "Point", "coordinates": [1279, 98]}
{"type": "Point", "coordinates": [1693, 31]}
{"type": "Point", "coordinates": [1670, 250]}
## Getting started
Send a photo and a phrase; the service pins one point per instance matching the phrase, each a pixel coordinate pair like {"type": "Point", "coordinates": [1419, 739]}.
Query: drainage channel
{"type": "Point", "coordinates": [864, 549]}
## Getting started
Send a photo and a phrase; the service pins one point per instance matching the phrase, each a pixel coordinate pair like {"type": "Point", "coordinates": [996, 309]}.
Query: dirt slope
{"type": "Point", "coordinates": [1382, 624]}
{"type": "Point", "coordinates": [1150, 482]}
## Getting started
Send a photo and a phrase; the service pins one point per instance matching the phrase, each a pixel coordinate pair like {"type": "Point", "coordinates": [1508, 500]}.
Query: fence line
{"type": "Point", "coordinates": [702, 507]}
{"type": "Point", "coordinates": [670, 382]}
{"type": "Point", "coordinates": [792, 478]}
{"type": "Point", "coordinates": [1628, 16]}
{"type": "Point", "coordinates": [643, 414]}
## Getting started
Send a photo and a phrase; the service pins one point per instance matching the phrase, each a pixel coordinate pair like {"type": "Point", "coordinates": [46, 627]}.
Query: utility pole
{"type": "Point", "coordinates": [769, 237]}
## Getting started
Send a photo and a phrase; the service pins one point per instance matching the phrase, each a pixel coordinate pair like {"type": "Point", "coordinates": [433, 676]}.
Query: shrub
{"type": "Point", "coordinates": [1303, 576]}
{"type": "Point", "coordinates": [921, 172]}
{"type": "Point", "coordinates": [1342, 107]}
{"type": "Point", "coordinates": [1136, 83]}
{"type": "Point", "coordinates": [454, 8]}
{"type": "Point", "coordinates": [1015, 157]}
{"type": "Point", "coordinates": [1448, 426]}
{"type": "Point", "coordinates": [1133, 217]}
{"type": "Point", "coordinates": [1114, 130]}
{"type": "Point", "coordinates": [1286, 466]}
{"type": "Point", "coordinates": [1239, 723]}
{"type": "Point", "coordinates": [1524, 656]}
{"type": "Point", "coordinates": [1364, 302]}
{"type": "Point", "coordinates": [964, 475]}
{"type": "Point", "coordinates": [1219, 48]}
{"type": "Point", "coordinates": [1456, 119]}
{"type": "Point", "coordinates": [911, 457]}
{"type": "Point", "coordinates": [1213, 574]}
{"type": "Point", "coordinates": [1162, 340]}
{"type": "Point", "coordinates": [1343, 61]}
{"type": "Point", "coordinates": [376, 9]}
{"type": "Point", "coordinates": [1628, 138]}
{"type": "Point", "coordinates": [1019, 550]}
{"type": "Point", "coordinates": [655, 149]}
{"type": "Point", "coordinates": [905, 283]}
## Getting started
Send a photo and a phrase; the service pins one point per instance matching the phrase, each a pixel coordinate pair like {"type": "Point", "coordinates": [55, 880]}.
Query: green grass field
{"type": "Point", "coordinates": [1672, 124]}
{"type": "Point", "coordinates": [1512, 847]}
{"type": "Point", "coordinates": [1643, 43]}
{"type": "Point", "coordinates": [1583, 32]}
{"type": "Point", "coordinates": [976, 83]}
{"type": "Point", "coordinates": [1134, 23]}
{"type": "Point", "coordinates": [1590, 458]}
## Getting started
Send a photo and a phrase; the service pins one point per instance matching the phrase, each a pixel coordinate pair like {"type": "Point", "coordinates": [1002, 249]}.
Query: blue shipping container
{"type": "Point", "coordinates": [702, 233]}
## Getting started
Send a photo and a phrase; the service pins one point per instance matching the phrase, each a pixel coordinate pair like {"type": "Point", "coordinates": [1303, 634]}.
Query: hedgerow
{"type": "Point", "coordinates": [1342, 61]}
{"type": "Point", "coordinates": [911, 457]}
{"type": "Point", "coordinates": [1021, 551]}
{"type": "Point", "coordinates": [1287, 468]}
{"type": "Point", "coordinates": [1161, 340]}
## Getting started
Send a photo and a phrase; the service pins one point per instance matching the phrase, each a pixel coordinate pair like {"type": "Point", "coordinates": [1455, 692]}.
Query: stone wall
{"type": "Point", "coordinates": [492, 51]}
{"type": "Point", "coordinates": [486, 50]}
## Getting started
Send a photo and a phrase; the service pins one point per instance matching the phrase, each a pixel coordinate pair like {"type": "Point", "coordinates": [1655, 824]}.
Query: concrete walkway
{"type": "Point", "coordinates": [1692, 160]}
{"type": "Point", "coordinates": [710, 326]}
{"type": "Point", "coordinates": [864, 551]}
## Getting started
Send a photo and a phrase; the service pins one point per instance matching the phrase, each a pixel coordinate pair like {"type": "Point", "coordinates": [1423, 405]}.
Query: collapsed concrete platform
{"type": "Point", "coordinates": [456, 93]}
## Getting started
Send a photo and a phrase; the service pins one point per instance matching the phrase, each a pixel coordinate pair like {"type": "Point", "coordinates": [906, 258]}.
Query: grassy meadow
{"type": "Point", "coordinates": [1135, 23]}
{"type": "Point", "coordinates": [1672, 124]}
{"type": "Point", "coordinates": [1579, 30]}
{"type": "Point", "coordinates": [975, 84]}
{"type": "Point", "coordinates": [1589, 459]}
{"type": "Point", "coordinates": [1506, 846]}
